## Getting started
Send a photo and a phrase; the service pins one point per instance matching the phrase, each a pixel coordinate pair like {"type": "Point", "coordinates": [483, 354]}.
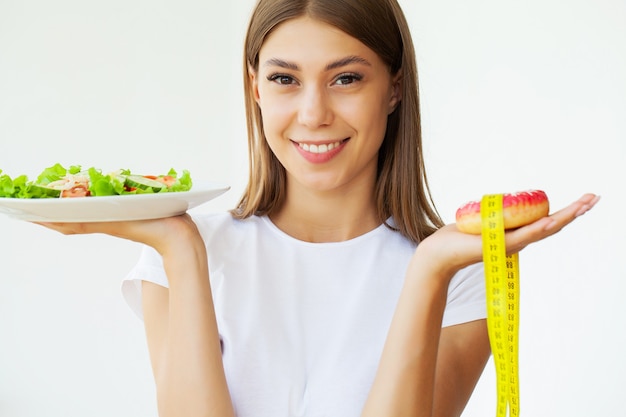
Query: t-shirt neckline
{"type": "Point", "coordinates": [285, 236]}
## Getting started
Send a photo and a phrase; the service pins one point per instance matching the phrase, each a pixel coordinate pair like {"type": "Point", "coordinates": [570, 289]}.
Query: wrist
{"type": "Point", "coordinates": [428, 265]}
{"type": "Point", "coordinates": [182, 250]}
{"type": "Point", "coordinates": [175, 236]}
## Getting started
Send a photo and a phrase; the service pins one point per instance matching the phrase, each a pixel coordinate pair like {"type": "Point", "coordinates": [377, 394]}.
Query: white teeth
{"type": "Point", "coordinates": [319, 148]}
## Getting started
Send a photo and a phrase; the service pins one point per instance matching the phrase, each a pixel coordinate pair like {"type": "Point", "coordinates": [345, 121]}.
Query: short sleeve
{"type": "Point", "coordinates": [466, 296]}
{"type": "Point", "coordinates": [149, 267]}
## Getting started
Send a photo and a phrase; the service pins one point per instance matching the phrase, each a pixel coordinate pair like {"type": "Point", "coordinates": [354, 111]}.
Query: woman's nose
{"type": "Point", "coordinates": [315, 109]}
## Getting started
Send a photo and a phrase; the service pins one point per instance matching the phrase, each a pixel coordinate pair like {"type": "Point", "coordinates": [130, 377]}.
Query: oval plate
{"type": "Point", "coordinates": [110, 208]}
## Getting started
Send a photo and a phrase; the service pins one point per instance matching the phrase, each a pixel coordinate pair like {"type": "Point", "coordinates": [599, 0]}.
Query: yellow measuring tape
{"type": "Point", "coordinates": [502, 285]}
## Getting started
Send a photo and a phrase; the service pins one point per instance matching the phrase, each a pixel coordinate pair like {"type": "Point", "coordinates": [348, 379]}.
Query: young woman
{"type": "Point", "coordinates": [333, 289]}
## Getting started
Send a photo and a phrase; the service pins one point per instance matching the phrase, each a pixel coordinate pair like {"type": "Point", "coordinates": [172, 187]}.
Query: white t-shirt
{"type": "Point", "coordinates": [303, 324]}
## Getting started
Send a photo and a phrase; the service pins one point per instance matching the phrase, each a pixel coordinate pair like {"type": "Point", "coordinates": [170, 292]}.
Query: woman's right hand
{"type": "Point", "coordinates": [164, 235]}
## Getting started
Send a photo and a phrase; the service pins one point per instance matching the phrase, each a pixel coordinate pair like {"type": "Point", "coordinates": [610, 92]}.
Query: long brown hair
{"type": "Point", "coordinates": [402, 191]}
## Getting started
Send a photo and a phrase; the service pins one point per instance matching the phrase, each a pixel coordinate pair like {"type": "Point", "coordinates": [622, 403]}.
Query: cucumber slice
{"type": "Point", "coordinates": [143, 183]}
{"type": "Point", "coordinates": [43, 191]}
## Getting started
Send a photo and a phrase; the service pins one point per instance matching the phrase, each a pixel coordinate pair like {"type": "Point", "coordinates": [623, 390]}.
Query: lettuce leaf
{"type": "Point", "coordinates": [103, 185]}
{"type": "Point", "coordinates": [51, 174]}
{"type": "Point", "coordinates": [17, 187]}
{"type": "Point", "coordinates": [6, 185]}
{"type": "Point", "coordinates": [184, 183]}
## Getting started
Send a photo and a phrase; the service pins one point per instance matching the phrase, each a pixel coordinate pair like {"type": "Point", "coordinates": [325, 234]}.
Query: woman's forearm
{"type": "Point", "coordinates": [190, 379]}
{"type": "Point", "coordinates": [405, 380]}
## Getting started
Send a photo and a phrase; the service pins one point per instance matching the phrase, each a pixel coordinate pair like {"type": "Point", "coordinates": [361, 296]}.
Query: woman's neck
{"type": "Point", "coordinates": [327, 216]}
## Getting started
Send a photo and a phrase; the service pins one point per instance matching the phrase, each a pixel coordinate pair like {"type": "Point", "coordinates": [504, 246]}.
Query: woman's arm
{"type": "Point", "coordinates": [405, 382]}
{"type": "Point", "coordinates": [463, 353]}
{"type": "Point", "coordinates": [426, 371]}
{"type": "Point", "coordinates": [180, 322]}
{"type": "Point", "coordinates": [182, 336]}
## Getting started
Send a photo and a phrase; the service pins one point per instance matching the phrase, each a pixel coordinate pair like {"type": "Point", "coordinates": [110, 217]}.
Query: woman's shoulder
{"type": "Point", "coordinates": [224, 225]}
{"type": "Point", "coordinates": [221, 219]}
{"type": "Point", "coordinates": [212, 218]}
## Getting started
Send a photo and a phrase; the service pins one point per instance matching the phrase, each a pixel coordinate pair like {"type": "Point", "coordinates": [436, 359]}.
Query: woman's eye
{"type": "Point", "coordinates": [347, 79]}
{"type": "Point", "coordinates": [281, 79]}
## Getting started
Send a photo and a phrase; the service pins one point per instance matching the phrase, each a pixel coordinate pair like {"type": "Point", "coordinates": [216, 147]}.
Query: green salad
{"type": "Point", "coordinates": [60, 182]}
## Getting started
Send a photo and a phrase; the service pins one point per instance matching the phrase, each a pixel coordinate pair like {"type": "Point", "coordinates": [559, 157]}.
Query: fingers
{"type": "Point", "coordinates": [567, 215]}
{"type": "Point", "coordinates": [59, 227]}
{"type": "Point", "coordinates": [75, 228]}
{"type": "Point", "coordinates": [588, 200]}
{"type": "Point", "coordinates": [518, 239]}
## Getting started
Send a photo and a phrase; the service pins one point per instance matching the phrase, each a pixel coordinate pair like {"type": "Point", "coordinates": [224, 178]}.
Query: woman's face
{"type": "Point", "coordinates": [324, 98]}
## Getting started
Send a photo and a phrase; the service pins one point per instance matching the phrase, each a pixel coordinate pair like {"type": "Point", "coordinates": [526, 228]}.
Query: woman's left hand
{"type": "Point", "coordinates": [451, 250]}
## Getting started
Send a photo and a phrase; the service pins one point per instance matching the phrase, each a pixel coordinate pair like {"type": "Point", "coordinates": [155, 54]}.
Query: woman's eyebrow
{"type": "Point", "coordinates": [277, 62]}
{"type": "Point", "coordinates": [342, 62]}
{"type": "Point", "coordinates": [353, 59]}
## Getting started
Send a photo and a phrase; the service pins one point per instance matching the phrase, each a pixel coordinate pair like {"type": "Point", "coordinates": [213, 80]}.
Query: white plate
{"type": "Point", "coordinates": [110, 208]}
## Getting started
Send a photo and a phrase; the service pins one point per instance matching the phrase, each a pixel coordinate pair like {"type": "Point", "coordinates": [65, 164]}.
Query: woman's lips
{"type": "Point", "coordinates": [320, 152]}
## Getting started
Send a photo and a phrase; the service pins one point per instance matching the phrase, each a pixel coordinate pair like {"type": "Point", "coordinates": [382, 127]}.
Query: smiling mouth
{"type": "Point", "coordinates": [321, 148]}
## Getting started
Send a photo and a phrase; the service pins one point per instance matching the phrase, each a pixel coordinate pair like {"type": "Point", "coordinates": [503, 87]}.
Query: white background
{"type": "Point", "coordinates": [515, 95]}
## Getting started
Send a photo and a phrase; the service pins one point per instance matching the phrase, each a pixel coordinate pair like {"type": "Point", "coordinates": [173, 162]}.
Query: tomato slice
{"type": "Point", "coordinates": [76, 191]}
{"type": "Point", "coordinates": [165, 179]}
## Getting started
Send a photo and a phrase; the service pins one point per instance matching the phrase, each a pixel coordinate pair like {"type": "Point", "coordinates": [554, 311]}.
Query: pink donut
{"type": "Point", "coordinates": [518, 209]}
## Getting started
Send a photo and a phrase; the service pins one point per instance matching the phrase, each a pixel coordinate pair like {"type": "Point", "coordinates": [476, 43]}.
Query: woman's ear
{"type": "Point", "coordinates": [396, 92]}
{"type": "Point", "coordinates": [254, 83]}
